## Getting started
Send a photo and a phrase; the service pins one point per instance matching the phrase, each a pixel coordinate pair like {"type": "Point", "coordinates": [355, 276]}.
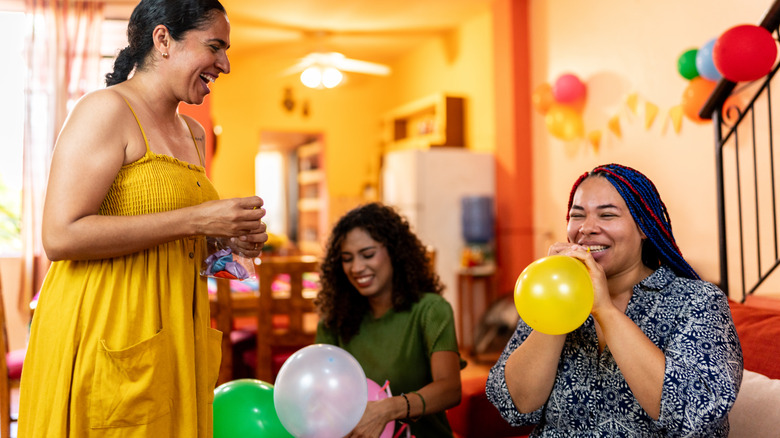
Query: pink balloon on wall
{"type": "Point", "coordinates": [568, 88]}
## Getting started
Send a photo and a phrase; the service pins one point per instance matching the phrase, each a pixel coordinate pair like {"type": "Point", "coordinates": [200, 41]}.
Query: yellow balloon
{"type": "Point", "coordinates": [564, 122]}
{"type": "Point", "coordinates": [554, 295]}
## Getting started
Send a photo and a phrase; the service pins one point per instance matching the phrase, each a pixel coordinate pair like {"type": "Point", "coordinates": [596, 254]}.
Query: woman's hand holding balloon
{"type": "Point", "coordinates": [601, 297]}
{"type": "Point", "coordinates": [375, 418]}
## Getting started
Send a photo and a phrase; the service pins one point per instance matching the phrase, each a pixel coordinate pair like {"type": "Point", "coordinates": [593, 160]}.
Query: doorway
{"type": "Point", "coordinates": [290, 177]}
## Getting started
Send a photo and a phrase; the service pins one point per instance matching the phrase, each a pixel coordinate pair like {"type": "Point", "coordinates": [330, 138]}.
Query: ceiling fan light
{"type": "Point", "coordinates": [331, 77]}
{"type": "Point", "coordinates": [312, 77]}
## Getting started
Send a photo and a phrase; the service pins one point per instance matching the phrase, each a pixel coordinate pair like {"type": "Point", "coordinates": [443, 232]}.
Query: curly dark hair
{"type": "Point", "coordinates": [341, 307]}
{"type": "Point", "coordinates": [178, 16]}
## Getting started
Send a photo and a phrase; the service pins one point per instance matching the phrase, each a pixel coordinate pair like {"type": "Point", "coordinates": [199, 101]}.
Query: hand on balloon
{"type": "Point", "coordinates": [374, 420]}
{"type": "Point", "coordinates": [601, 297]}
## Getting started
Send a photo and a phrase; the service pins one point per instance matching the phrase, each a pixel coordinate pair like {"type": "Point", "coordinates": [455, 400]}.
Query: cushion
{"type": "Point", "coordinates": [14, 359]}
{"type": "Point", "coordinates": [758, 330]}
{"type": "Point", "coordinates": [755, 413]}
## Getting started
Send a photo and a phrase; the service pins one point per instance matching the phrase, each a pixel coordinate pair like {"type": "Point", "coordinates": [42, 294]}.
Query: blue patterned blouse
{"type": "Point", "coordinates": [690, 321]}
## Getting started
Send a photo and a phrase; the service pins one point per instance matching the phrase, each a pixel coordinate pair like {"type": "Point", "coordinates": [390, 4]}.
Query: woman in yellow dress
{"type": "Point", "coordinates": [121, 344]}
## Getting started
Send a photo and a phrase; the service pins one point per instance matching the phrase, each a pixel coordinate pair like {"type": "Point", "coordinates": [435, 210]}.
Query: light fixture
{"type": "Point", "coordinates": [320, 77]}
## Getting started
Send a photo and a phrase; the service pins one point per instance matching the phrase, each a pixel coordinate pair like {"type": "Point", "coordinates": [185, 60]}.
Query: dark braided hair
{"type": "Point", "coordinates": [649, 212]}
{"type": "Point", "coordinates": [179, 16]}
{"type": "Point", "coordinates": [340, 305]}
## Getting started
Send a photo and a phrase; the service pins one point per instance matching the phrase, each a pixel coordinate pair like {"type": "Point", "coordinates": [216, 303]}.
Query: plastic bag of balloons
{"type": "Point", "coordinates": [223, 261]}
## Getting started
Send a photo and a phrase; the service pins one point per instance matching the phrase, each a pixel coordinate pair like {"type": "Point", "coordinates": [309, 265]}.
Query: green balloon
{"type": "Point", "coordinates": [686, 64]}
{"type": "Point", "coordinates": [244, 408]}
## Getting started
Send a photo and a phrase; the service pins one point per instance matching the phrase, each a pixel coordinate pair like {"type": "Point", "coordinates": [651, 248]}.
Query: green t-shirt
{"type": "Point", "coordinates": [397, 347]}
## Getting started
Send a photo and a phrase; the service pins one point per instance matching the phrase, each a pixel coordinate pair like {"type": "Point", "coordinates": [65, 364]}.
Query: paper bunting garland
{"type": "Point", "coordinates": [614, 125]}
{"type": "Point", "coordinates": [565, 122]}
{"type": "Point", "coordinates": [651, 110]}
{"type": "Point", "coordinates": [676, 115]}
{"type": "Point", "coordinates": [594, 137]}
{"type": "Point", "coordinates": [631, 101]}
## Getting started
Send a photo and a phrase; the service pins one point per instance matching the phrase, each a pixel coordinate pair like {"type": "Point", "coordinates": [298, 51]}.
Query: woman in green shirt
{"type": "Point", "coordinates": [381, 301]}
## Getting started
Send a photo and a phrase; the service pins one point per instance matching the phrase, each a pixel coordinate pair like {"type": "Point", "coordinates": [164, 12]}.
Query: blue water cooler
{"type": "Point", "coordinates": [478, 231]}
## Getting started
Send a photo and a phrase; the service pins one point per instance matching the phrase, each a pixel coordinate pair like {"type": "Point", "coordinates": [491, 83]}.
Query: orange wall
{"type": "Point", "coordinates": [620, 48]}
{"type": "Point", "coordinates": [514, 158]}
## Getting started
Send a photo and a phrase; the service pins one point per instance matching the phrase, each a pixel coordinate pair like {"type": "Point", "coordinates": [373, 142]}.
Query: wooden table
{"type": "Point", "coordinates": [476, 290]}
{"type": "Point", "coordinates": [243, 303]}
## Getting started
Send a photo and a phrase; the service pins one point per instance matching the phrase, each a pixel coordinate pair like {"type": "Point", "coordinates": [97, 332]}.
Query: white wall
{"type": "Point", "coordinates": [619, 47]}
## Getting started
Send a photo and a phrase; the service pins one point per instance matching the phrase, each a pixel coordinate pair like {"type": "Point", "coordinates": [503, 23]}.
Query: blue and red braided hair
{"type": "Point", "coordinates": [649, 212]}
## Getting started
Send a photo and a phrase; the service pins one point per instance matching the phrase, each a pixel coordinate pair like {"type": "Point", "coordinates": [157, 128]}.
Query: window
{"type": "Point", "coordinates": [12, 127]}
{"type": "Point", "coordinates": [12, 76]}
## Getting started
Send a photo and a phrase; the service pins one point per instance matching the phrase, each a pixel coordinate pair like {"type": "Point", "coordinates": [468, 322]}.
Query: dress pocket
{"type": "Point", "coordinates": [214, 359]}
{"type": "Point", "coordinates": [131, 386]}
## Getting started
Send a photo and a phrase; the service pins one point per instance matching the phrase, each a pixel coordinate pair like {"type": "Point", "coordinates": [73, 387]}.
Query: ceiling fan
{"type": "Point", "coordinates": [324, 69]}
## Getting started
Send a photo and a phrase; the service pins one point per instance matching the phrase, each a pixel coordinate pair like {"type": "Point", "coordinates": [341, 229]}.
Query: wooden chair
{"type": "Point", "coordinates": [10, 373]}
{"type": "Point", "coordinates": [222, 312]}
{"type": "Point", "coordinates": [225, 308]}
{"type": "Point", "coordinates": [287, 319]}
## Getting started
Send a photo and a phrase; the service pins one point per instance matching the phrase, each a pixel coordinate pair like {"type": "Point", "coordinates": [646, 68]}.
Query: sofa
{"type": "Point", "coordinates": [755, 413]}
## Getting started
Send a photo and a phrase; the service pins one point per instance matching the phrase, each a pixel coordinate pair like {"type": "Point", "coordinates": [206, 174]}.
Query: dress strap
{"type": "Point", "coordinates": [146, 140]}
{"type": "Point", "coordinates": [197, 149]}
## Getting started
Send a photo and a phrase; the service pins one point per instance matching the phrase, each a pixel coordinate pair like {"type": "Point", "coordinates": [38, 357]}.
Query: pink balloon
{"type": "Point", "coordinates": [375, 392]}
{"type": "Point", "coordinates": [568, 88]}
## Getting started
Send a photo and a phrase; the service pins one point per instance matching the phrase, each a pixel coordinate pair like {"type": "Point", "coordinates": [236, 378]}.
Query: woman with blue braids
{"type": "Point", "coordinates": [657, 357]}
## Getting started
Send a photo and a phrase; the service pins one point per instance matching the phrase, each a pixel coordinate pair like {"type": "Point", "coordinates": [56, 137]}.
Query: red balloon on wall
{"type": "Point", "coordinates": [744, 53]}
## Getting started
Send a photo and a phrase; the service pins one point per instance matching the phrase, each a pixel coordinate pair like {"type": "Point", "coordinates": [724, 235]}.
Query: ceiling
{"type": "Point", "coordinates": [372, 30]}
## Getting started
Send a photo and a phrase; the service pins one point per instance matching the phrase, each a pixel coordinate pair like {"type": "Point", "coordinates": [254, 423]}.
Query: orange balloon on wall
{"type": "Point", "coordinates": [564, 122]}
{"type": "Point", "coordinates": [695, 96]}
{"type": "Point", "coordinates": [542, 98]}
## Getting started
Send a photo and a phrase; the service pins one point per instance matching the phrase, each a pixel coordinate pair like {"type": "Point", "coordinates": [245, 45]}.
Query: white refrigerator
{"type": "Point", "coordinates": [427, 186]}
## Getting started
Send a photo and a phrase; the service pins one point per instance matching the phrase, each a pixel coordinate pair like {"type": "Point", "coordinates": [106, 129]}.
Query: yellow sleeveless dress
{"type": "Point", "coordinates": [123, 347]}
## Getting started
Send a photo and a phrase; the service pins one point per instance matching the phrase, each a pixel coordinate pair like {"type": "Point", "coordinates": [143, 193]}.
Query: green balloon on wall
{"type": "Point", "coordinates": [686, 64]}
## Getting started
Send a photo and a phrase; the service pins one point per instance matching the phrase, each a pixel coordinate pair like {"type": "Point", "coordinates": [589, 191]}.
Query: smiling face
{"type": "Point", "coordinates": [367, 264]}
{"type": "Point", "coordinates": [599, 219]}
{"type": "Point", "coordinates": [201, 57]}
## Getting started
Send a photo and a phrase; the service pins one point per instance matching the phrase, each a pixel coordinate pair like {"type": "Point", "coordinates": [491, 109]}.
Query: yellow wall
{"type": "Point", "coordinates": [619, 48]}
{"type": "Point", "coordinates": [459, 63]}
{"type": "Point", "coordinates": [249, 100]}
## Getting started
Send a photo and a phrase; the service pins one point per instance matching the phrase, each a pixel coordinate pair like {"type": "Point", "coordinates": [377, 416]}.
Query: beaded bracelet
{"type": "Point", "coordinates": [407, 405]}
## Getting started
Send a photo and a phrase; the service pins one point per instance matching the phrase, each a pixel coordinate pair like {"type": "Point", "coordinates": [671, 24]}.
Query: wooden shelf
{"type": "Point", "coordinates": [312, 197]}
{"type": "Point", "coordinates": [433, 121]}
{"type": "Point", "coordinates": [306, 177]}
{"type": "Point", "coordinates": [309, 204]}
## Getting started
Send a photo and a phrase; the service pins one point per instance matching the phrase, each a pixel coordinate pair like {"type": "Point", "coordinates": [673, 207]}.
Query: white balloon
{"type": "Point", "coordinates": [320, 391]}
